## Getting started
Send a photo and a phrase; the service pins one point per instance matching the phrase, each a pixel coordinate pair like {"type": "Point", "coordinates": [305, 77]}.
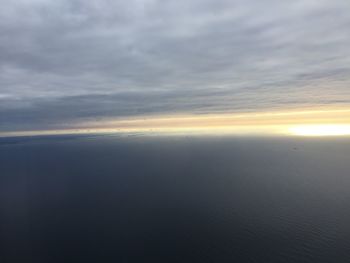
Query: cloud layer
{"type": "Point", "coordinates": [69, 61]}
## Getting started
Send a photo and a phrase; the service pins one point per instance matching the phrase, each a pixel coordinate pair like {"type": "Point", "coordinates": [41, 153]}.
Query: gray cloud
{"type": "Point", "coordinates": [67, 61]}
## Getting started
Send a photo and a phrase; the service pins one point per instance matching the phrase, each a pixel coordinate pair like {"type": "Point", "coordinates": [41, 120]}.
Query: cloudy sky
{"type": "Point", "coordinates": [66, 62]}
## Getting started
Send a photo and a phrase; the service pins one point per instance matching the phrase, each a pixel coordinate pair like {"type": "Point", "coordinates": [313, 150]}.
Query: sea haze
{"type": "Point", "coordinates": [174, 199]}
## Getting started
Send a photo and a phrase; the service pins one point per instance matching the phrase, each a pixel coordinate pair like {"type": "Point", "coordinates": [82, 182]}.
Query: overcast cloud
{"type": "Point", "coordinates": [69, 61]}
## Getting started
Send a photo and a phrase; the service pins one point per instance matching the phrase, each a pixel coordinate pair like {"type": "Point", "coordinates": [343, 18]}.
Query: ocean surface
{"type": "Point", "coordinates": [174, 199]}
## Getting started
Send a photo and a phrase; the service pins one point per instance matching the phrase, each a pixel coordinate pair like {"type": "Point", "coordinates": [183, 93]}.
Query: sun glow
{"type": "Point", "coordinates": [317, 122]}
{"type": "Point", "coordinates": [320, 130]}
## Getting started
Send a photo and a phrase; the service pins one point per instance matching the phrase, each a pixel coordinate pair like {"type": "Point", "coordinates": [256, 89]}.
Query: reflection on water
{"type": "Point", "coordinates": [110, 199]}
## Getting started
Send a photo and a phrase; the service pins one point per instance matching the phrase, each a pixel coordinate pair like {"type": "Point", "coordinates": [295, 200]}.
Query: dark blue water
{"type": "Point", "coordinates": [114, 199]}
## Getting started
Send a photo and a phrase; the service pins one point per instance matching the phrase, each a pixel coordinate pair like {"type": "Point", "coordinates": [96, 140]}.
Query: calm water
{"type": "Point", "coordinates": [114, 199]}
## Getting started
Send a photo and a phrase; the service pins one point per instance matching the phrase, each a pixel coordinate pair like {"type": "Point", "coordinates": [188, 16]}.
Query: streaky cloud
{"type": "Point", "coordinates": [71, 61]}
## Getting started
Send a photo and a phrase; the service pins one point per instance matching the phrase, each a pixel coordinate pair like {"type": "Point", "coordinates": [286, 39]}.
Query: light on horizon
{"type": "Point", "coordinates": [320, 130]}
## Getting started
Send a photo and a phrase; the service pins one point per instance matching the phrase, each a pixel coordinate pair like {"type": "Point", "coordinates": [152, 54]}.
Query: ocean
{"type": "Point", "coordinates": [110, 198]}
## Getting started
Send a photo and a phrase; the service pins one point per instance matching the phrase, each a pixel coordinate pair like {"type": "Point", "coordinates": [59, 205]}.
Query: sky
{"type": "Point", "coordinates": [80, 64]}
